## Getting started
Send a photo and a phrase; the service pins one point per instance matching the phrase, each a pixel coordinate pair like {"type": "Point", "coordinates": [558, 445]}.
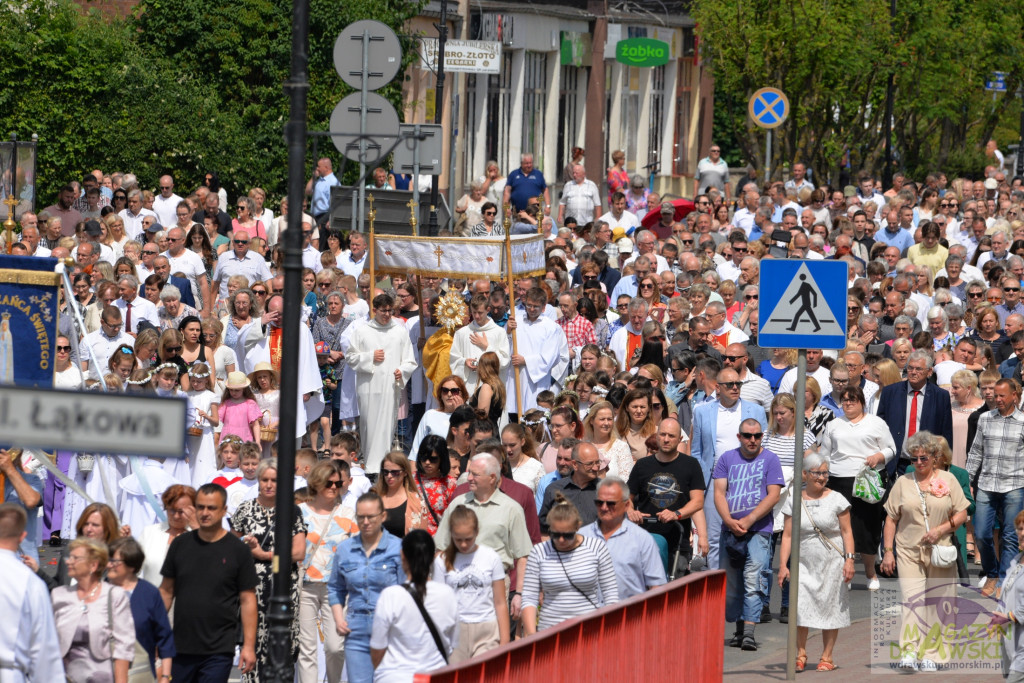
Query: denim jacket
{"type": "Point", "coordinates": [359, 578]}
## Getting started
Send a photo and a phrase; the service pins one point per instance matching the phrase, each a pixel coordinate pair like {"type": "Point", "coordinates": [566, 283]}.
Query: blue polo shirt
{"type": "Point", "coordinates": [523, 186]}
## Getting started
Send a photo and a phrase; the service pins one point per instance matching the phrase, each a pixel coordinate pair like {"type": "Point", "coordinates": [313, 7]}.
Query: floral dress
{"type": "Point", "coordinates": [252, 519]}
{"type": "Point", "coordinates": [437, 493]}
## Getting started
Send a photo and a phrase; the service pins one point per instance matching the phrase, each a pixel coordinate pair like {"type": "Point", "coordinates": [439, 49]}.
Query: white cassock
{"type": "Point", "coordinates": [134, 508]}
{"type": "Point", "coordinates": [420, 388]}
{"type": "Point", "coordinates": [28, 636]}
{"type": "Point", "coordinates": [543, 346]}
{"type": "Point", "coordinates": [257, 350]}
{"type": "Point", "coordinates": [463, 350]}
{"type": "Point", "coordinates": [377, 390]}
{"type": "Point", "coordinates": [348, 407]}
{"type": "Point", "coordinates": [178, 469]}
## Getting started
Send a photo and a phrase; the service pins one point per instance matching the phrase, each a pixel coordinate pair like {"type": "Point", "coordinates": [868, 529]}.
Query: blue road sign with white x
{"type": "Point", "coordinates": [769, 107]}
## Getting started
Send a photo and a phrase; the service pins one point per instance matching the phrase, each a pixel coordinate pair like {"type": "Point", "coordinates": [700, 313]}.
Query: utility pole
{"type": "Point", "coordinates": [280, 613]}
{"type": "Point", "coordinates": [889, 87]}
{"type": "Point", "coordinates": [594, 136]}
{"type": "Point", "coordinates": [442, 38]}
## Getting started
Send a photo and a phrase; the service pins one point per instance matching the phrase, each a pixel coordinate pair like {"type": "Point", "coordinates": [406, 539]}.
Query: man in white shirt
{"type": "Point", "coordinates": [744, 218]}
{"type": "Point", "coordinates": [353, 260]}
{"type": "Point", "coordinates": [165, 203]}
{"type": "Point", "coordinates": [133, 307]}
{"type": "Point", "coordinates": [580, 199]}
{"type": "Point", "coordinates": [104, 342]}
{"type": "Point", "coordinates": [133, 215]}
{"type": "Point", "coordinates": [30, 237]}
{"type": "Point", "coordinates": [239, 261]}
{"type": "Point", "coordinates": [310, 255]}
{"type": "Point", "coordinates": [618, 217]}
{"type": "Point", "coordinates": [814, 369]}
{"type": "Point", "coordinates": [645, 246]}
{"type": "Point", "coordinates": [730, 270]}
{"type": "Point", "coordinates": [186, 261]}
{"type": "Point", "coordinates": [28, 636]}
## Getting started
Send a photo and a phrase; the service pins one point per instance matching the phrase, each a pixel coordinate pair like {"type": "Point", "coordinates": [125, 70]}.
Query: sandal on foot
{"type": "Point", "coordinates": [801, 662]}
{"type": "Point", "coordinates": [826, 665]}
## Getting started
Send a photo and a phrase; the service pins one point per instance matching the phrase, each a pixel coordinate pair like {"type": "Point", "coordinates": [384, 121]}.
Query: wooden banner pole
{"type": "Point", "coordinates": [512, 307]}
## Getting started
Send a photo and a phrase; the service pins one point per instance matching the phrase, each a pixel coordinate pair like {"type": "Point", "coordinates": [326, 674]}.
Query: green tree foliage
{"type": "Point", "coordinates": [833, 61]}
{"type": "Point", "coordinates": [182, 87]}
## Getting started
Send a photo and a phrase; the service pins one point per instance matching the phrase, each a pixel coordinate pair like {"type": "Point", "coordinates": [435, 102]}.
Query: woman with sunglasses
{"type": "Point", "coordinates": [850, 443]}
{"type": "Point", "coordinates": [574, 573]}
{"type": "Point", "coordinates": [329, 524]}
{"type": "Point", "coordinates": [450, 394]}
{"type": "Point", "coordinates": [119, 200]}
{"type": "Point", "coordinates": [925, 507]}
{"type": "Point", "coordinates": [169, 351]}
{"type": "Point", "coordinates": [363, 566]}
{"type": "Point", "coordinates": [403, 507]}
{"type": "Point", "coordinates": [489, 226]}
{"type": "Point", "coordinates": [433, 479]}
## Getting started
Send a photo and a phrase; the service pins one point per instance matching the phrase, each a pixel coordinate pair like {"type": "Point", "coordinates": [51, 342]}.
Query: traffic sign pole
{"type": "Point", "coordinates": [796, 498]}
{"type": "Point", "coordinates": [768, 156]}
{"type": "Point", "coordinates": [362, 135]}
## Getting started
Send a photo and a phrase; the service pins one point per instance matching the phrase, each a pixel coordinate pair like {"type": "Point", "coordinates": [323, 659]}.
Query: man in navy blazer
{"type": "Point", "coordinates": [732, 410]}
{"type": "Point", "coordinates": [162, 268]}
{"type": "Point", "coordinates": [934, 412]}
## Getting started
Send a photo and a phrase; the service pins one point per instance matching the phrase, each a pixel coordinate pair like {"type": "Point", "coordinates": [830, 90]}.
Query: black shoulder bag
{"type": "Point", "coordinates": [430, 622]}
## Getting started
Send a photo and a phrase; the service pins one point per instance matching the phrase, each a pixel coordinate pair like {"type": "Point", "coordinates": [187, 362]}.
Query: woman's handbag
{"type": "Point", "coordinates": [942, 555]}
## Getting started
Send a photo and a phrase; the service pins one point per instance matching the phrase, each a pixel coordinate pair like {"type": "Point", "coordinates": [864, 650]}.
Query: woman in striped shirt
{"type": "Point", "coordinates": [574, 573]}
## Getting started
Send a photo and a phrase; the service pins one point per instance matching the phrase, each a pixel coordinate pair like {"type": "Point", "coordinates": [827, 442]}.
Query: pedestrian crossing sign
{"type": "Point", "coordinates": [802, 304]}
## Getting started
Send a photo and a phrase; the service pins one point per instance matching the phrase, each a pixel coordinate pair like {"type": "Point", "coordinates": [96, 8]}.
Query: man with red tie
{"type": "Point", "coordinates": [915, 405]}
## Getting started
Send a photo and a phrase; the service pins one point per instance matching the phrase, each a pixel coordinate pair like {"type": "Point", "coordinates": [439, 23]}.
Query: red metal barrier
{"type": "Point", "coordinates": [670, 633]}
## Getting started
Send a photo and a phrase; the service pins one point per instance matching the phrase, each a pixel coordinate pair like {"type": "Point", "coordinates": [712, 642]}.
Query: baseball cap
{"type": "Point", "coordinates": [156, 227]}
{"type": "Point", "coordinates": [322, 348]}
{"type": "Point", "coordinates": [850, 191]}
{"type": "Point", "coordinates": [93, 228]}
{"type": "Point", "coordinates": [991, 184]}
{"type": "Point", "coordinates": [625, 245]}
{"type": "Point", "coordinates": [618, 234]}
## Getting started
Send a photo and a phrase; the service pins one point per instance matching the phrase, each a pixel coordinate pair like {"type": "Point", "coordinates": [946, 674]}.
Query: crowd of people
{"type": "Point", "coordinates": [569, 444]}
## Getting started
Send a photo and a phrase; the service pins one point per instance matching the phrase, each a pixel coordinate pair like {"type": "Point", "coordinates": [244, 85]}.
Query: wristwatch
{"type": "Point", "coordinates": [679, 514]}
{"type": "Point", "coordinates": [849, 556]}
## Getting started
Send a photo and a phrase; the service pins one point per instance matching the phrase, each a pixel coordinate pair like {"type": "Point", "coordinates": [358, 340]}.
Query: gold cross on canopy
{"type": "Point", "coordinates": [439, 252]}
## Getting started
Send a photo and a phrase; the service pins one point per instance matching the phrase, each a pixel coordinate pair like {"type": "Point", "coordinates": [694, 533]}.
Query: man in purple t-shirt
{"type": "Point", "coordinates": [748, 481]}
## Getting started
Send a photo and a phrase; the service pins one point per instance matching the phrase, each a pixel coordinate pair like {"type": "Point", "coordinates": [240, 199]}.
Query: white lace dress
{"type": "Point", "coordinates": [619, 457]}
{"type": "Point", "coordinates": [824, 597]}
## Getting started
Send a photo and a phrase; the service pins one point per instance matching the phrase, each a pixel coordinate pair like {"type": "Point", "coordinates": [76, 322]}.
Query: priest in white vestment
{"type": "Point", "coordinates": [383, 360]}
{"type": "Point", "coordinates": [543, 353]}
{"type": "Point", "coordinates": [471, 341]}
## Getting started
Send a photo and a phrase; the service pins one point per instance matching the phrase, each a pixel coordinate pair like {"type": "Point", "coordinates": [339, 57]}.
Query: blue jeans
{"type": "Point", "coordinates": [747, 586]}
{"type": "Point", "coordinates": [1004, 507]}
{"type": "Point", "coordinates": [357, 648]}
{"type": "Point", "coordinates": [769, 573]}
{"type": "Point", "coordinates": [713, 520]}
{"type": "Point", "coordinates": [202, 668]}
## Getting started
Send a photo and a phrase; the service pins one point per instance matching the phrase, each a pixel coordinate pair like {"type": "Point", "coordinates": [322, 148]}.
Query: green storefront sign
{"type": "Point", "coordinates": [642, 52]}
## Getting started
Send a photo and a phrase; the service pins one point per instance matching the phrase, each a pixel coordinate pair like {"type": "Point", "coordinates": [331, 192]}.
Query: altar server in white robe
{"type": "Point", "coordinates": [471, 341]}
{"type": "Point", "coordinates": [29, 649]}
{"type": "Point", "coordinates": [256, 346]}
{"type": "Point", "coordinates": [348, 406]}
{"type": "Point", "coordinates": [543, 356]}
{"type": "Point", "coordinates": [382, 358]}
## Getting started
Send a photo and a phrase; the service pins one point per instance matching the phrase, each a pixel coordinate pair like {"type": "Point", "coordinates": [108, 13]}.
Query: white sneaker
{"type": "Point", "coordinates": [909, 661]}
{"type": "Point", "coordinates": [982, 581]}
{"type": "Point", "coordinates": [927, 665]}
{"type": "Point", "coordinates": [874, 584]}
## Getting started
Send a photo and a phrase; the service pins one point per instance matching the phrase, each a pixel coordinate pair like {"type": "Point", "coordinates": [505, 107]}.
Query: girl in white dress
{"type": "Point", "coordinates": [264, 385]}
{"type": "Point", "coordinates": [165, 380]}
{"type": "Point", "coordinates": [202, 456]}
